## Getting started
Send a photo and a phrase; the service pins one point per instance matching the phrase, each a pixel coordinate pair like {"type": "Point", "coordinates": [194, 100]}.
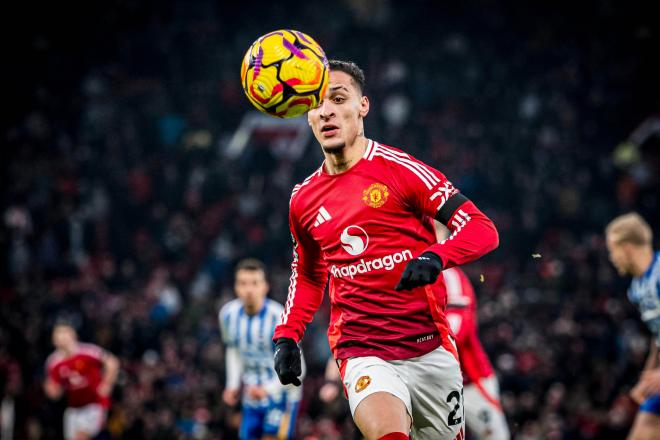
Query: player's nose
{"type": "Point", "coordinates": [326, 109]}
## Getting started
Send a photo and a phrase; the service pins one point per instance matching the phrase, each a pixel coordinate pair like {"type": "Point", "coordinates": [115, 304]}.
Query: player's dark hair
{"type": "Point", "coordinates": [67, 320]}
{"type": "Point", "coordinates": [251, 264]}
{"type": "Point", "coordinates": [352, 69]}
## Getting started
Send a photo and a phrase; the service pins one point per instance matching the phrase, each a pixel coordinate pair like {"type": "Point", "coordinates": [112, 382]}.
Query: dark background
{"type": "Point", "coordinates": [120, 210]}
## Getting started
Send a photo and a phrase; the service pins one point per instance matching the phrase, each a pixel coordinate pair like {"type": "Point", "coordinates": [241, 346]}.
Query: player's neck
{"type": "Point", "coordinates": [344, 159]}
{"type": "Point", "coordinates": [253, 309]}
{"type": "Point", "coordinates": [642, 261]}
{"type": "Point", "coordinates": [69, 349]}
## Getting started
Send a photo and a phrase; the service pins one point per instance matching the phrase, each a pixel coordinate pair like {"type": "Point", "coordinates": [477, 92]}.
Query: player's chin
{"type": "Point", "coordinates": [332, 145]}
{"type": "Point", "coordinates": [622, 270]}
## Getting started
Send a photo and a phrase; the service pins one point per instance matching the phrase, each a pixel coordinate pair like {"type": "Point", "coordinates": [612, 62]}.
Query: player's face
{"type": "Point", "coordinates": [619, 256]}
{"type": "Point", "coordinates": [64, 336]}
{"type": "Point", "coordinates": [251, 288]}
{"type": "Point", "coordinates": [337, 121]}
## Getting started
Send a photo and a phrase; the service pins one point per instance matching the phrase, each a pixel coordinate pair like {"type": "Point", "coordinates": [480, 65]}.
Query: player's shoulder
{"type": "Point", "coordinates": [232, 307]}
{"type": "Point", "coordinates": [91, 350]}
{"type": "Point", "coordinates": [655, 268]}
{"type": "Point", "coordinates": [308, 182]}
{"type": "Point", "coordinates": [388, 155]}
{"type": "Point", "coordinates": [55, 358]}
{"type": "Point", "coordinates": [274, 307]}
{"type": "Point", "coordinates": [393, 161]}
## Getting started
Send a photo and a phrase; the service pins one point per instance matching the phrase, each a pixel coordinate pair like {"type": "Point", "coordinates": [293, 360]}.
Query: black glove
{"type": "Point", "coordinates": [421, 271]}
{"type": "Point", "coordinates": [287, 361]}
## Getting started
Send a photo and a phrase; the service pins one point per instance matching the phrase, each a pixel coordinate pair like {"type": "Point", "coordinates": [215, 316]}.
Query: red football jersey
{"type": "Point", "coordinates": [462, 316]}
{"type": "Point", "coordinates": [79, 374]}
{"type": "Point", "coordinates": [360, 228]}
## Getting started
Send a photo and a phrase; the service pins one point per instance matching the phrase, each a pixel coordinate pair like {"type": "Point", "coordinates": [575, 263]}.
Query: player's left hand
{"type": "Point", "coordinates": [421, 271]}
{"type": "Point", "coordinates": [256, 392]}
{"type": "Point", "coordinates": [287, 361]}
{"type": "Point", "coordinates": [649, 383]}
{"type": "Point", "coordinates": [637, 394]}
{"type": "Point", "coordinates": [104, 389]}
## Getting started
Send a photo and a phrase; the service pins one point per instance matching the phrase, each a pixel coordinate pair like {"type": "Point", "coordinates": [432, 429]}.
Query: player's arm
{"type": "Point", "coordinates": [465, 329]}
{"type": "Point", "coordinates": [309, 277]}
{"type": "Point", "coordinates": [52, 386]}
{"type": "Point", "coordinates": [472, 233]}
{"type": "Point", "coordinates": [110, 371]}
{"type": "Point", "coordinates": [233, 364]}
{"type": "Point", "coordinates": [332, 386]}
{"type": "Point", "coordinates": [234, 371]}
{"type": "Point", "coordinates": [649, 381]}
{"type": "Point", "coordinates": [652, 359]}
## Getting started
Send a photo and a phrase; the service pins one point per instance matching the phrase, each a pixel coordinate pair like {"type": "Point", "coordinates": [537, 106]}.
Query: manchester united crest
{"type": "Point", "coordinates": [376, 195]}
{"type": "Point", "coordinates": [362, 383]}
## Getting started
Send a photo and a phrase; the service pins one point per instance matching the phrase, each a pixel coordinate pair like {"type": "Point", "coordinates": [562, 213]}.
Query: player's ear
{"type": "Point", "coordinates": [364, 106]}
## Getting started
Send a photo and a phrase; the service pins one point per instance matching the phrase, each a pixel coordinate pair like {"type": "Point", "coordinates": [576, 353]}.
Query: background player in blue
{"type": "Point", "coordinates": [247, 323]}
{"type": "Point", "coordinates": [630, 245]}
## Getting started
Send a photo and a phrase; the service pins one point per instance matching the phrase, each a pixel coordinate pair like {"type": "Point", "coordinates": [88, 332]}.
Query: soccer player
{"type": "Point", "coordinates": [629, 241]}
{"type": "Point", "coordinates": [483, 413]}
{"type": "Point", "coordinates": [365, 220]}
{"type": "Point", "coordinates": [87, 374]}
{"type": "Point", "coordinates": [247, 323]}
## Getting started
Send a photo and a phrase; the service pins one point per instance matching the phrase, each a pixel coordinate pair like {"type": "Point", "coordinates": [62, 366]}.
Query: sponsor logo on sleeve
{"type": "Point", "coordinates": [444, 191]}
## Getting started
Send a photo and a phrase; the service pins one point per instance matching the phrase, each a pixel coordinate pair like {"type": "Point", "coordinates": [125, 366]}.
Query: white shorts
{"type": "Point", "coordinates": [483, 414]}
{"type": "Point", "coordinates": [431, 387]}
{"type": "Point", "coordinates": [88, 419]}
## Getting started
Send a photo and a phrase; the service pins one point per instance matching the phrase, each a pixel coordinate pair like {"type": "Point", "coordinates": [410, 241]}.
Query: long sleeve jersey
{"type": "Point", "coordinates": [358, 229]}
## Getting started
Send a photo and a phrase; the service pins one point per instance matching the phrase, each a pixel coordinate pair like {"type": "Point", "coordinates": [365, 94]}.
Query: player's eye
{"type": "Point", "coordinates": [338, 99]}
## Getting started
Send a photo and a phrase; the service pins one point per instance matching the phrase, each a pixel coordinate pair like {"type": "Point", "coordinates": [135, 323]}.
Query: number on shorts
{"type": "Point", "coordinates": [452, 419]}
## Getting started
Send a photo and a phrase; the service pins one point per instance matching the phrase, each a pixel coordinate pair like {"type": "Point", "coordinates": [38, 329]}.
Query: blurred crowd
{"type": "Point", "coordinates": [121, 210]}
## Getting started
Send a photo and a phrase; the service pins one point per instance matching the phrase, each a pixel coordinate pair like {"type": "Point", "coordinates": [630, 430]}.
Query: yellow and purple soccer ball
{"type": "Point", "coordinates": [285, 73]}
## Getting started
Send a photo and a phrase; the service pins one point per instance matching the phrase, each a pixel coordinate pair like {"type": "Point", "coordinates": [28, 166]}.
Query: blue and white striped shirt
{"type": "Point", "coordinates": [251, 336]}
{"type": "Point", "coordinates": [644, 292]}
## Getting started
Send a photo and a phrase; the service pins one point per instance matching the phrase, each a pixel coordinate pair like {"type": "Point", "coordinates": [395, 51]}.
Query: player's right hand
{"type": "Point", "coordinates": [230, 396]}
{"type": "Point", "coordinates": [421, 271]}
{"type": "Point", "coordinates": [287, 361]}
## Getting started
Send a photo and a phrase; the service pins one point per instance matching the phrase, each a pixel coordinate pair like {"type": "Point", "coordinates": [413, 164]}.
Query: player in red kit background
{"type": "Point", "coordinates": [483, 412]}
{"type": "Point", "coordinates": [86, 373]}
{"type": "Point", "coordinates": [365, 221]}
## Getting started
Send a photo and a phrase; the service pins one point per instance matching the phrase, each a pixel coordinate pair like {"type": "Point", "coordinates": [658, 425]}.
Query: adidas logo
{"type": "Point", "coordinates": [322, 217]}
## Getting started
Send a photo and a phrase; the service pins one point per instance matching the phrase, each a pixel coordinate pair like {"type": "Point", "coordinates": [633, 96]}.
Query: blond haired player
{"type": "Point", "coordinates": [630, 245]}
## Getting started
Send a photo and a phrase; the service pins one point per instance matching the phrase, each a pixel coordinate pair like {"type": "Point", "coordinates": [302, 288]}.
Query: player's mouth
{"type": "Point", "coordinates": [329, 130]}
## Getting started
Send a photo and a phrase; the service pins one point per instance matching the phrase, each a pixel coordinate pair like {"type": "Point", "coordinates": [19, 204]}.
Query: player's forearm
{"type": "Point", "coordinates": [110, 370]}
{"type": "Point", "coordinates": [652, 360]}
{"type": "Point", "coordinates": [52, 389]}
{"type": "Point", "coordinates": [304, 299]}
{"type": "Point", "coordinates": [234, 368]}
{"type": "Point", "coordinates": [473, 235]}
